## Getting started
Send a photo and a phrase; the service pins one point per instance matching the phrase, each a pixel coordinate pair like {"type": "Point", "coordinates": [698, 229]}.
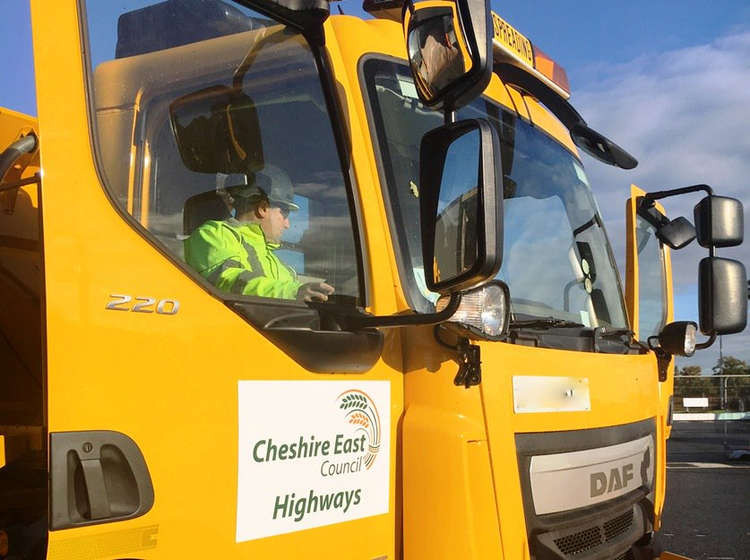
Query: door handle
{"type": "Point", "coordinates": [96, 490]}
{"type": "Point", "coordinates": [97, 477]}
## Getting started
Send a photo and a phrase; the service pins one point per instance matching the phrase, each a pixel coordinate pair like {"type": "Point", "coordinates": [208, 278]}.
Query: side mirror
{"type": "Point", "coordinates": [217, 131]}
{"type": "Point", "coordinates": [460, 178]}
{"type": "Point", "coordinates": [719, 221]}
{"type": "Point", "coordinates": [677, 233]}
{"type": "Point", "coordinates": [722, 296]}
{"type": "Point", "coordinates": [450, 50]}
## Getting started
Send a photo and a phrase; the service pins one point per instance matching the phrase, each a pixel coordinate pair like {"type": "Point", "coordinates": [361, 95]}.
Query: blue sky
{"type": "Point", "coordinates": [669, 81]}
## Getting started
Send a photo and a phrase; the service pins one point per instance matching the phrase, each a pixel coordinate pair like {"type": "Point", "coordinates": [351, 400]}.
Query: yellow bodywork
{"type": "Point", "coordinates": [170, 382]}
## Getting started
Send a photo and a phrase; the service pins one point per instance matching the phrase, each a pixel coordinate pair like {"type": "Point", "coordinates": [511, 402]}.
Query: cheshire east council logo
{"type": "Point", "coordinates": [360, 411]}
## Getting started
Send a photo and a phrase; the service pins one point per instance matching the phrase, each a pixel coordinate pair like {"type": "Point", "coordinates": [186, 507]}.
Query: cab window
{"type": "Point", "coordinates": [652, 298]}
{"type": "Point", "coordinates": [212, 133]}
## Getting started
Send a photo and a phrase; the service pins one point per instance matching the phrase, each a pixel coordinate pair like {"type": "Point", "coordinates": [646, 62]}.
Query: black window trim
{"type": "Point", "coordinates": [338, 129]}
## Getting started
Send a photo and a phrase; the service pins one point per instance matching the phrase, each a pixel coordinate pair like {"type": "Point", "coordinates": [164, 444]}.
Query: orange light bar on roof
{"type": "Point", "coordinates": [509, 43]}
{"type": "Point", "coordinates": [551, 69]}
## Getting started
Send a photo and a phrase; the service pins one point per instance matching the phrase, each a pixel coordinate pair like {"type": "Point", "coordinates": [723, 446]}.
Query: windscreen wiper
{"type": "Point", "coordinates": [626, 336]}
{"type": "Point", "coordinates": [605, 332]}
{"type": "Point", "coordinates": [544, 323]}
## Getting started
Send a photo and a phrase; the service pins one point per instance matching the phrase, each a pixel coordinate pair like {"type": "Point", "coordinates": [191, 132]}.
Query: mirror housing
{"type": "Point", "coordinates": [217, 131]}
{"type": "Point", "coordinates": [677, 233]}
{"type": "Point", "coordinates": [468, 230]}
{"type": "Point", "coordinates": [449, 46]}
{"type": "Point", "coordinates": [719, 221]}
{"type": "Point", "coordinates": [722, 296]}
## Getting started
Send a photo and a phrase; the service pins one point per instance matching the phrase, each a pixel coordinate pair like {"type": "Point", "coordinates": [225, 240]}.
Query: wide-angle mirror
{"type": "Point", "coordinates": [437, 51]}
{"type": "Point", "coordinates": [449, 50]}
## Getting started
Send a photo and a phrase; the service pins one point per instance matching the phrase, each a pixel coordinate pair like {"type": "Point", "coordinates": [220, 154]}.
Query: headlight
{"type": "Point", "coordinates": [483, 312]}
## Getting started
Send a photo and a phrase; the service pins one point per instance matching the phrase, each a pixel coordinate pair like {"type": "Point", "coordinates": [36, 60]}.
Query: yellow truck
{"type": "Point", "coordinates": [431, 356]}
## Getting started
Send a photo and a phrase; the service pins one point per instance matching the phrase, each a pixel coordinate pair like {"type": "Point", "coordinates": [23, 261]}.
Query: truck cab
{"type": "Point", "coordinates": [154, 413]}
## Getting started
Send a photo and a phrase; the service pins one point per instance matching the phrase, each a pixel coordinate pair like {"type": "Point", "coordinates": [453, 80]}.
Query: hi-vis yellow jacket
{"type": "Point", "coordinates": [236, 257]}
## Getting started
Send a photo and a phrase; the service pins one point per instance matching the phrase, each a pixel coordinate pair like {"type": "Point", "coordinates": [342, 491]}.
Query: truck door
{"type": "Point", "coordinates": [197, 406]}
{"type": "Point", "coordinates": [649, 300]}
{"type": "Point", "coordinates": [649, 272]}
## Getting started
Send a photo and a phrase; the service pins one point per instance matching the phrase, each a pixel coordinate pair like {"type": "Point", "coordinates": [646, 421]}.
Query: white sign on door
{"type": "Point", "coordinates": [311, 453]}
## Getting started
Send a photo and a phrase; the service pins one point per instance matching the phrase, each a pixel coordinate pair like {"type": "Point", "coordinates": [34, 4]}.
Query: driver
{"type": "Point", "coordinates": [439, 61]}
{"type": "Point", "coordinates": [237, 255]}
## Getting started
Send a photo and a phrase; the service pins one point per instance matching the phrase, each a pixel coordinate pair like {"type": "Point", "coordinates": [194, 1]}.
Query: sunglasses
{"type": "Point", "coordinates": [283, 209]}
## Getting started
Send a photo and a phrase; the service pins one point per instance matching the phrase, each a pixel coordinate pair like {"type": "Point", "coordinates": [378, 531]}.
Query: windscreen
{"type": "Point", "coordinates": [556, 257]}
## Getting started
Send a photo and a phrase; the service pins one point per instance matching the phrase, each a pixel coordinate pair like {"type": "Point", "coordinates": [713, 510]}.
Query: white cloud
{"type": "Point", "coordinates": [685, 115]}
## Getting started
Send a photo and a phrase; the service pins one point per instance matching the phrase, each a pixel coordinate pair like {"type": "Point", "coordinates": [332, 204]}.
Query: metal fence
{"type": "Point", "coordinates": [712, 393]}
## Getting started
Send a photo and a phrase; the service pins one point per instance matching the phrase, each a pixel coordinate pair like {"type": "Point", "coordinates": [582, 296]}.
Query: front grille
{"type": "Point", "coordinates": [572, 527]}
{"type": "Point", "coordinates": [617, 526]}
{"type": "Point", "coordinates": [580, 542]}
{"type": "Point", "coordinates": [573, 544]}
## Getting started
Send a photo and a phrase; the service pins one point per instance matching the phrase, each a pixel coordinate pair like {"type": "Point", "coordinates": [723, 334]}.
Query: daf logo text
{"type": "Point", "coordinates": [612, 480]}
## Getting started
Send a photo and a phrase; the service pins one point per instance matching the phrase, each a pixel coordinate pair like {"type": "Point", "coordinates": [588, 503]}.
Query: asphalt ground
{"type": "Point", "coordinates": [707, 513]}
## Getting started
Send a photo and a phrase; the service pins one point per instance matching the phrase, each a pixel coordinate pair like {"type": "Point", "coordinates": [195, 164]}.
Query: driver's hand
{"type": "Point", "coordinates": [314, 291]}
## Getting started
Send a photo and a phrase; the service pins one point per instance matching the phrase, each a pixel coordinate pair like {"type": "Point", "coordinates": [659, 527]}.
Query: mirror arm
{"type": "Point", "coordinates": [657, 195]}
{"type": "Point", "coordinates": [643, 205]}
{"type": "Point", "coordinates": [24, 145]}
{"type": "Point", "coordinates": [356, 321]}
{"type": "Point", "coordinates": [17, 184]}
{"type": "Point", "coordinates": [707, 343]}
{"type": "Point", "coordinates": [650, 198]}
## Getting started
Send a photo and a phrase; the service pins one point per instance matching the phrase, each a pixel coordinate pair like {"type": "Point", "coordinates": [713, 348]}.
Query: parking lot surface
{"type": "Point", "coordinates": [707, 514]}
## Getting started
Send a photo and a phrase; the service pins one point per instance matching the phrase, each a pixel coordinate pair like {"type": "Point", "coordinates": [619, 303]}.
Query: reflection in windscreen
{"type": "Point", "coordinates": [556, 256]}
{"type": "Point", "coordinates": [557, 261]}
